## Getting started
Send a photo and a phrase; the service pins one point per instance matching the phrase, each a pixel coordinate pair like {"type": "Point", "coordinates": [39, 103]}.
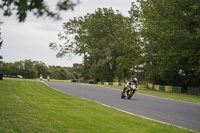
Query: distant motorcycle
{"type": "Point", "coordinates": [129, 91]}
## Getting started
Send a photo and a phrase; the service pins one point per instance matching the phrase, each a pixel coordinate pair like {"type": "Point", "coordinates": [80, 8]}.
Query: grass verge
{"type": "Point", "coordinates": [28, 106]}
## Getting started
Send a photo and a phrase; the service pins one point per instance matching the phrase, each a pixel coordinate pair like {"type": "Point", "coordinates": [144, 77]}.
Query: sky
{"type": "Point", "coordinates": [30, 39]}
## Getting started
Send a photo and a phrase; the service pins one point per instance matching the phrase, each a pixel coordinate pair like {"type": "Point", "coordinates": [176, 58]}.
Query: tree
{"type": "Point", "coordinates": [101, 37]}
{"type": "Point", "coordinates": [170, 37]}
{"type": "Point", "coordinates": [60, 73]}
{"type": "Point", "coordinates": [16, 68]}
{"type": "Point", "coordinates": [5, 67]}
{"type": "Point", "coordinates": [12, 68]}
{"type": "Point", "coordinates": [37, 7]}
{"type": "Point", "coordinates": [77, 70]}
{"type": "Point", "coordinates": [41, 68]}
{"type": "Point", "coordinates": [28, 69]}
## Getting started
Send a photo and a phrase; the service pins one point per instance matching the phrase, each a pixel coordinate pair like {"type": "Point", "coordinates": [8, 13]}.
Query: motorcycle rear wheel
{"type": "Point", "coordinates": [131, 94]}
{"type": "Point", "coordinates": [123, 95]}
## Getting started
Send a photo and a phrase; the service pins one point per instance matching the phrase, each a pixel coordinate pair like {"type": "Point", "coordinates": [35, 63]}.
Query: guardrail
{"type": "Point", "coordinates": [175, 89]}
{"type": "Point", "coordinates": [111, 83]}
{"type": "Point", "coordinates": [193, 91]}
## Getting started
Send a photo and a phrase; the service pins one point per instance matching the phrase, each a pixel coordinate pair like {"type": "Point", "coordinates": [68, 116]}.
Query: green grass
{"type": "Point", "coordinates": [30, 107]}
{"type": "Point", "coordinates": [174, 96]}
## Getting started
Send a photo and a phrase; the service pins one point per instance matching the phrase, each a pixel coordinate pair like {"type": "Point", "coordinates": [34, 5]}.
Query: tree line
{"type": "Point", "coordinates": [158, 42]}
{"type": "Point", "coordinates": [32, 69]}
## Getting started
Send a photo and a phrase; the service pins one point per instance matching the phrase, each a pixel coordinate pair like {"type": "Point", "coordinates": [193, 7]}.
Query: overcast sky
{"type": "Point", "coordinates": [30, 40]}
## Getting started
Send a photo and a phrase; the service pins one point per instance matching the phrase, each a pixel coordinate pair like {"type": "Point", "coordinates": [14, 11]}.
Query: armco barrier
{"type": "Point", "coordinates": [175, 89]}
{"type": "Point", "coordinates": [161, 88]}
{"type": "Point", "coordinates": [106, 83]}
{"type": "Point", "coordinates": [156, 87]}
{"type": "Point", "coordinates": [111, 83]}
{"type": "Point", "coordinates": [168, 88]}
{"type": "Point", "coordinates": [150, 86]}
{"type": "Point", "coordinates": [115, 83]}
{"type": "Point", "coordinates": [193, 91]}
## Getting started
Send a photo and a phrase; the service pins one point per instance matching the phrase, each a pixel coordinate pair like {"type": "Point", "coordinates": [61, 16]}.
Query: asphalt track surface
{"type": "Point", "coordinates": [178, 113]}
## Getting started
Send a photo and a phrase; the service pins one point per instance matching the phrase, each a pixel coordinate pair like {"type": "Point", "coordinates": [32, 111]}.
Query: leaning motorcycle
{"type": "Point", "coordinates": [129, 91]}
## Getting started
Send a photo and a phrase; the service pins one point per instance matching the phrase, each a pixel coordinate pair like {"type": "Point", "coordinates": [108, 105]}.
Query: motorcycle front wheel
{"type": "Point", "coordinates": [131, 94]}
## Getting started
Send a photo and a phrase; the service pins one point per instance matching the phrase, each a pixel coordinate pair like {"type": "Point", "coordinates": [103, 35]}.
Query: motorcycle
{"type": "Point", "coordinates": [129, 91]}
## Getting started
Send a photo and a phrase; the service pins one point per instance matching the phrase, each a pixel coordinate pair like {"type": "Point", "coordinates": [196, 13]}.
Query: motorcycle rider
{"type": "Point", "coordinates": [40, 77]}
{"type": "Point", "coordinates": [131, 82]}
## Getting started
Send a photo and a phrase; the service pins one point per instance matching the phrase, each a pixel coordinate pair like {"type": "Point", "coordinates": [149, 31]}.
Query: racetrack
{"type": "Point", "coordinates": [182, 114]}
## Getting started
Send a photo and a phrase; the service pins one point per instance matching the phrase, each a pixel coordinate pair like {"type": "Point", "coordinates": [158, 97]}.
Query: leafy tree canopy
{"type": "Point", "coordinates": [170, 37]}
{"type": "Point", "coordinates": [37, 7]}
{"type": "Point", "coordinates": [101, 37]}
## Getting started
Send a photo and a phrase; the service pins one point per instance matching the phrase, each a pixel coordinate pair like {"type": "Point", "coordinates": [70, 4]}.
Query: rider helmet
{"type": "Point", "coordinates": [135, 80]}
